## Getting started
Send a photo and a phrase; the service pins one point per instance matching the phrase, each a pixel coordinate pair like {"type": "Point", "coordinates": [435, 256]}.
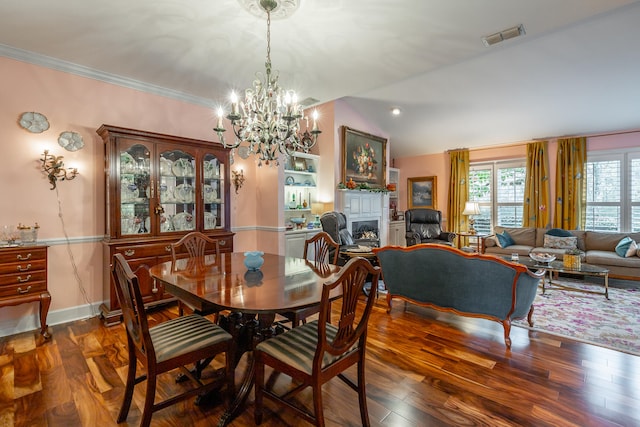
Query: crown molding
{"type": "Point", "coordinates": [81, 70]}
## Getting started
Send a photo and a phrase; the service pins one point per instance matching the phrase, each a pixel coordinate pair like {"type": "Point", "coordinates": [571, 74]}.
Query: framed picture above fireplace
{"type": "Point", "coordinates": [421, 192]}
{"type": "Point", "coordinates": [364, 158]}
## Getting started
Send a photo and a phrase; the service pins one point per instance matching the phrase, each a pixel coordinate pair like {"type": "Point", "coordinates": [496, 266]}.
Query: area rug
{"type": "Point", "coordinates": [590, 318]}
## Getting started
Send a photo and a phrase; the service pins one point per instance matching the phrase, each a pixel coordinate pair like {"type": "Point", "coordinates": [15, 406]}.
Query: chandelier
{"type": "Point", "coordinates": [268, 118]}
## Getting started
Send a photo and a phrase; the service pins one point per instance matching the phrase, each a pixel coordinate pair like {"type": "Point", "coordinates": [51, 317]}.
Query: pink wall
{"type": "Point", "coordinates": [73, 103]}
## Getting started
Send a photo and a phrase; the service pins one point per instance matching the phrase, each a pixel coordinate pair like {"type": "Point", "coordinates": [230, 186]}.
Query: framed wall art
{"type": "Point", "coordinates": [421, 192]}
{"type": "Point", "coordinates": [364, 158]}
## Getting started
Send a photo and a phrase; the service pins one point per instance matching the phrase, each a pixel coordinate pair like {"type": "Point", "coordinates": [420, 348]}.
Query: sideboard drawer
{"type": "Point", "coordinates": [22, 278]}
{"type": "Point", "coordinates": [24, 266]}
{"type": "Point", "coordinates": [23, 254]}
{"type": "Point", "coordinates": [22, 289]}
{"type": "Point", "coordinates": [143, 251]}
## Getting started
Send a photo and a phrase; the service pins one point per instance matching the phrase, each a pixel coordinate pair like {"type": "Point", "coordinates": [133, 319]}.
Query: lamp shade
{"type": "Point", "coordinates": [471, 208]}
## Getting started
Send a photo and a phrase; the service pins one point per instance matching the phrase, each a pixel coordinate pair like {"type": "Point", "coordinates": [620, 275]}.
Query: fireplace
{"type": "Point", "coordinates": [365, 229]}
{"type": "Point", "coordinates": [366, 213]}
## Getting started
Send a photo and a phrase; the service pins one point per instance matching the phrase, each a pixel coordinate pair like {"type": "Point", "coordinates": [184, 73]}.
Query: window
{"type": "Point", "coordinates": [499, 190]}
{"type": "Point", "coordinates": [613, 192]}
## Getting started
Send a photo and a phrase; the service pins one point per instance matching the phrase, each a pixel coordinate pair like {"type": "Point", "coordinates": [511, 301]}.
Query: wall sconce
{"type": "Point", "coordinates": [54, 168]}
{"type": "Point", "coordinates": [238, 179]}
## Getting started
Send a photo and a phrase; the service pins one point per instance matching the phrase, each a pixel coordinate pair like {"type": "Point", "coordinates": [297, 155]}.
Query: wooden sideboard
{"type": "Point", "coordinates": [23, 279]}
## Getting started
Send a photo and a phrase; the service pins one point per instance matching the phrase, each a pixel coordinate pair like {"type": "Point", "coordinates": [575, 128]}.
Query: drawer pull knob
{"type": "Point", "coordinates": [20, 257]}
{"type": "Point", "coordinates": [26, 279]}
{"type": "Point", "coordinates": [24, 291]}
{"type": "Point", "coordinates": [167, 248]}
{"type": "Point", "coordinates": [223, 242]}
{"type": "Point", "coordinates": [27, 268]}
{"type": "Point", "coordinates": [129, 252]}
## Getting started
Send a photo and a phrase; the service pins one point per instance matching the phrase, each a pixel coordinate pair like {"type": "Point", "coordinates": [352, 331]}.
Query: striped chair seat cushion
{"type": "Point", "coordinates": [297, 347]}
{"type": "Point", "coordinates": [185, 334]}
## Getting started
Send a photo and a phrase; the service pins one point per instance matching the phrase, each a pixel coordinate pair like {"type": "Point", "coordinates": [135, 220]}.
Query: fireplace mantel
{"type": "Point", "coordinates": [360, 205]}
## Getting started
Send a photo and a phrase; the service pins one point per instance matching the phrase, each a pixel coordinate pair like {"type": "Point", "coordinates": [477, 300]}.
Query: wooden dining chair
{"type": "Point", "coordinates": [196, 246]}
{"type": "Point", "coordinates": [314, 353]}
{"type": "Point", "coordinates": [167, 346]}
{"type": "Point", "coordinates": [325, 252]}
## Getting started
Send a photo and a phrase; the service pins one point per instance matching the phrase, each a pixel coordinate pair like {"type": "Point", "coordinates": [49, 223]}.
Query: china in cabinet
{"type": "Point", "coordinates": [158, 188]}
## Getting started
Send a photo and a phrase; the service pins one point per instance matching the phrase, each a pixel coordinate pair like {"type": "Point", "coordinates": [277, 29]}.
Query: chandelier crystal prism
{"type": "Point", "coordinates": [268, 119]}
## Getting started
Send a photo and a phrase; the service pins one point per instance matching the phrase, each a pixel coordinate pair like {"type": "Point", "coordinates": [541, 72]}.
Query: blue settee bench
{"type": "Point", "coordinates": [447, 279]}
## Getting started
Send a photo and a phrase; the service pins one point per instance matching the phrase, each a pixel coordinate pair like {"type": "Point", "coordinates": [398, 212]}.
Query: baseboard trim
{"type": "Point", "coordinates": [31, 322]}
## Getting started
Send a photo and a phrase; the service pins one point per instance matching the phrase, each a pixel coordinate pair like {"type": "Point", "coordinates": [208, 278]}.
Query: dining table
{"type": "Point", "coordinates": [250, 299]}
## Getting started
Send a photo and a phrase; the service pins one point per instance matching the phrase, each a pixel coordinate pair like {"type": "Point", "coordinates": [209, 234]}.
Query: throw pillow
{"type": "Point", "coordinates": [504, 239]}
{"type": "Point", "coordinates": [559, 232]}
{"type": "Point", "coordinates": [623, 246]}
{"type": "Point", "coordinates": [560, 242]}
{"type": "Point", "coordinates": [633, 249]}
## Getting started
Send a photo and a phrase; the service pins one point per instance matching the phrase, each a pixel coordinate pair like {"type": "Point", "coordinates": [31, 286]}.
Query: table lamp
{"type": "Point", "coordinates": [470, 209]}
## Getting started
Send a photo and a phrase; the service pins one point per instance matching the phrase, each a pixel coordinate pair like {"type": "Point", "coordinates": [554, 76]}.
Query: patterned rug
{"type": "Point", "coordinates": [591, 318]}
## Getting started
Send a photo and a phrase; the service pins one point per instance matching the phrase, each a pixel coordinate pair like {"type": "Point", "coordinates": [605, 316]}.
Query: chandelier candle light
{"type": "Point", "coordinates": [268, 118]}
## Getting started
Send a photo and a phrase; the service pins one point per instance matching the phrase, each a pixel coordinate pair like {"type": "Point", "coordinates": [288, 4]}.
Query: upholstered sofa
{"type": "Point", "coordinates": [598, 248]}
{"type": "Point", "coordinates": [448, 279]}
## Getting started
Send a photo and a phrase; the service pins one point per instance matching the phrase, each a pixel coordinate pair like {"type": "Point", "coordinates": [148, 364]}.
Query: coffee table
{"type": "Point", "coordinates": [555, 267]}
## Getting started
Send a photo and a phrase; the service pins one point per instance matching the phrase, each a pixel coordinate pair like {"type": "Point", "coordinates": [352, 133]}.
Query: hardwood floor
{"type": "Point", "coordinates": [424, 368]}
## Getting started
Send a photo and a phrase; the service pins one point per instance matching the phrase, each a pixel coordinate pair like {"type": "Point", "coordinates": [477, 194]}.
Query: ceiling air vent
{"type": "Point", "coordinates": [507, 34]}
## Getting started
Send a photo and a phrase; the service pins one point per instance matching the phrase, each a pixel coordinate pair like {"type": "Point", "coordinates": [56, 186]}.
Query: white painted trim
{"type": "Point", "coordinates": [80, 70]}
{"type": "Point", "coordinates": [63, 241]}
{"type": "Point", "coordinates": [32, 322]}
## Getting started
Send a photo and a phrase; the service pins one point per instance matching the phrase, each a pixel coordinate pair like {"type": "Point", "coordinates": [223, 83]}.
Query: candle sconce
{"type": "Point", "coordinates": [53, 167]}
{"type": "Point", "coordinates": [238, 179]}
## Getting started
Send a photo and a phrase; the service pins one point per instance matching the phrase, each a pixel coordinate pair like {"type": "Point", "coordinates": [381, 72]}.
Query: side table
{"type": "Point", "coordinates": [479, 240]}
{"type": "Point", "coordinates": [23, 279]}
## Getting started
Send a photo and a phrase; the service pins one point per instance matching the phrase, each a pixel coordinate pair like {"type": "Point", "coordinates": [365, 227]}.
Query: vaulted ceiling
{"type": "Point", "coordinates": [575, 71]}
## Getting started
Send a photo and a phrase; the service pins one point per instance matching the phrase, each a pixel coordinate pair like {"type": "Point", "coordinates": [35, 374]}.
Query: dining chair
{"type": "Point", "coordinates": [325, 252]}
{"type": "Point", "coordinates": [314, 353]}
{"type": "Point", "coordinates": [167, 346]}
{"type": "Point", "coordinates": [196, 245]}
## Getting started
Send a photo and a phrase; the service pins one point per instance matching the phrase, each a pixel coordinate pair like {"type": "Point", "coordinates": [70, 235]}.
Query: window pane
{"type": "Point", "coordinates": [510, 216]}
{"type": "Point", "coordinates": [510, 185]}
{"type": "Point", "coordinates": [635, 180]}
{"type": "Point", "coordinates": [603, 218]}
{"type": "Point", "coordinates": [603, 181]}
{"type": "Point", "coordinates": [483, 221]}
{"type": "Point", "coordinates": [480, 185]}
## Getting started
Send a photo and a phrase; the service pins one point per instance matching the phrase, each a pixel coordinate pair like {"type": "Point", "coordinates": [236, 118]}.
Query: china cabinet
{"type": "Point", "coordinates": [157, 189]}
{"type": "Point", "coordinates": [23, 279]}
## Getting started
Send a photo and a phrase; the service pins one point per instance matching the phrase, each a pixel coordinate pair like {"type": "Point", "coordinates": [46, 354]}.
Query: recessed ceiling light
{"type": "Point", "coordinates": [395, 111]}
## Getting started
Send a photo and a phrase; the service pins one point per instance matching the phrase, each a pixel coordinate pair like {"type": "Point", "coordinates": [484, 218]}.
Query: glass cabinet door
{"type": "Point", "coordinates": [135, 190]}
{"type": "Point", "coordinates": [176, 191]}
{"type": "Point", "coordinates": [213, 191]}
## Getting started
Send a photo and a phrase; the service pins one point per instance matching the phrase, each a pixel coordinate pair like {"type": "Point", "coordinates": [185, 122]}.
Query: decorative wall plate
{"type": "Point", "coordinates": [243, 152]}
{"type": "Point", "coordinates": [71, 141]}
{"type": "Point", "coordinates": [34, 122]}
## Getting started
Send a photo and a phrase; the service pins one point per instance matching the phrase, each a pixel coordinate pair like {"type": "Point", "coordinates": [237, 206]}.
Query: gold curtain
{"type": "Point", "coordinates": [536, 189]}
{"type": "Point", "coordinates": [458, 190]}
{"type": "Point", "coordinates": [571, 203]}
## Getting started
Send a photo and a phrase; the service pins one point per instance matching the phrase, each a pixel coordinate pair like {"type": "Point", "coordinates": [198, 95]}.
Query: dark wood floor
{"type": "Point", "coordinates": [423, 369]}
